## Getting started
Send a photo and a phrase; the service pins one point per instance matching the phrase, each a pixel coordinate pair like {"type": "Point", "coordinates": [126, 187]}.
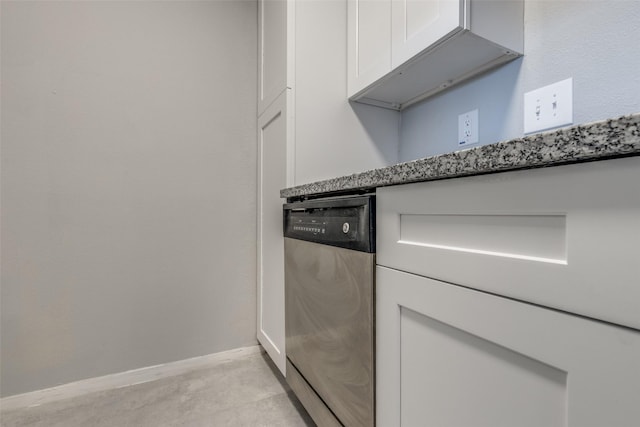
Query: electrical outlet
{"type": "Point", "coordinates": [468, 128]}
{"type": "Point", "coordinates": [549, 107]}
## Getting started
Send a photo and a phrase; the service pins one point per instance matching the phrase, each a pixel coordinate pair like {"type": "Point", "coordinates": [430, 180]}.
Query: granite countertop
{"type": "Point", "coordinates": [619, 137]}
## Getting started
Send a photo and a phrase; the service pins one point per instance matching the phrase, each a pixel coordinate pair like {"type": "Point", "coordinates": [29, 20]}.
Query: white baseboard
{"type": "Point", "coordinates": [122, 379]}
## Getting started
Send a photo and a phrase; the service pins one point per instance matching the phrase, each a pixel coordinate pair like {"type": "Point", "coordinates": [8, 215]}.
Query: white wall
{"type": "Point", "coordinates": [332, 137]}
{"type": "Point", "coordinates": [128, 185]}
{"type": "Point", "coordinates": [595, 42]}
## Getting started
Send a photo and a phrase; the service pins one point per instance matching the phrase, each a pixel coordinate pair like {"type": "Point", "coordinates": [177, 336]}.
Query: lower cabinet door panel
{"type": "Point", "coordinates": [450, 356]}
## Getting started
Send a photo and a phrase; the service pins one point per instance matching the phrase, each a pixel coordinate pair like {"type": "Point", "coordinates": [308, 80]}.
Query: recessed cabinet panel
{"type": "Point", "coordinates": [417, 24]}
{"type": "Point", "coordinates": [449, 366]}
{"type": "Point", "coordinates": [451, 356]}
{"type": "Point", "coordinates": [534, 237]}
{"type": "Point", "coordinates": [369, 41]}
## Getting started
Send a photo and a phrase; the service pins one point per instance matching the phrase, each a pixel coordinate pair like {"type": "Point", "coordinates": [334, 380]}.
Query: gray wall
{"type": "Point", "coordinates": [128, 185]}
{"type": "Point", "coordinates": [332, 136]}
{"type": "Point", "coordinates": [595, 42]}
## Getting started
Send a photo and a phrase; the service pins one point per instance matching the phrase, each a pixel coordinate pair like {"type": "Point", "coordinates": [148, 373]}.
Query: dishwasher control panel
{"type": "Point", "coordinates": [323, 224]}
{"type": "Point", "coordinates": [345, 222]}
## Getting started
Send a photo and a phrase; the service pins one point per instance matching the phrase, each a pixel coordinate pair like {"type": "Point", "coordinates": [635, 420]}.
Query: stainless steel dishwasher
{"type": "Point", "coordinates": [329, 250]}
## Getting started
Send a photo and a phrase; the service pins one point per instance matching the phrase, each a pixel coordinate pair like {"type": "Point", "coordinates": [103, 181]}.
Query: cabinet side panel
{"type": "Point", "coordinates": [500, 21]}
{"type": "Point", "coordinates": [272, 140]}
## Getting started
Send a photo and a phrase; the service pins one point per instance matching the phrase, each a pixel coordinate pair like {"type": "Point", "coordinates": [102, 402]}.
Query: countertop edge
{"type": "Point", "coordinates": [601, 140]}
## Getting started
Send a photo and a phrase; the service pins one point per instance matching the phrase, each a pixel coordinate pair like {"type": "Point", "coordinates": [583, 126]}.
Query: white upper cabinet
{"type": "Point", "coordinates": [425, 46]}
{"type": "Point", "coordinates": [275, 33]}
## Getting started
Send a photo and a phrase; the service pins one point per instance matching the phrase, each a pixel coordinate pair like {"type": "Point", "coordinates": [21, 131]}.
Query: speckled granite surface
{"type": "Point", "coordinates": [594, 141]}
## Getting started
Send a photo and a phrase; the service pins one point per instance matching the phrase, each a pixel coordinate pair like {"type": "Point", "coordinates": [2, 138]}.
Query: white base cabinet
{"type": "Point", "coordinates": [450, 356]}
{"type": "Point", "coordinates": [510, 299]}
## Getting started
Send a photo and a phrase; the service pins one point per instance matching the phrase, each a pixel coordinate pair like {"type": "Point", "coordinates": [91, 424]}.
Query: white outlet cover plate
{"type": "Point", "coordinates": [549, 107]}
{"type": "Point", "coordinates": [468, 128]}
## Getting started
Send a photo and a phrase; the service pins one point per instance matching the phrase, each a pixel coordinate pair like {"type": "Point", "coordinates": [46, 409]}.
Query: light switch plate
{"type": "Point", "coordinates": [468, 128]}
{"type": "Point", "coordinates": [549, 107]}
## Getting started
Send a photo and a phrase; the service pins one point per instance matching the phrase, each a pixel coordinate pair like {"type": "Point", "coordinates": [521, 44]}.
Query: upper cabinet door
{"type": "Point", "coordinates": [275, 19]}
{"type": "Point", "coordinates": [417, 24]}
{"type": "Point", "coordinates": [369, 42]}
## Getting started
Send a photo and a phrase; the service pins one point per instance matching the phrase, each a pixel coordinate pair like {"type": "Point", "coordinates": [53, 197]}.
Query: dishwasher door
{"type": "Point", "coordinates": [329, 298]}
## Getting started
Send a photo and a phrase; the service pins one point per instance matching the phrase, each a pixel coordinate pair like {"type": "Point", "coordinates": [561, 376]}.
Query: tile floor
{"type": "Point", "coordinates": [247, 391]}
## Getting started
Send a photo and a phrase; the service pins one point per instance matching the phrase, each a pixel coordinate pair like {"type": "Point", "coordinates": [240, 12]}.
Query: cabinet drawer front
{"type": "Point", "coordinates": [451, 356]}
{"type": "Point", "coordinates": [564, 237]}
